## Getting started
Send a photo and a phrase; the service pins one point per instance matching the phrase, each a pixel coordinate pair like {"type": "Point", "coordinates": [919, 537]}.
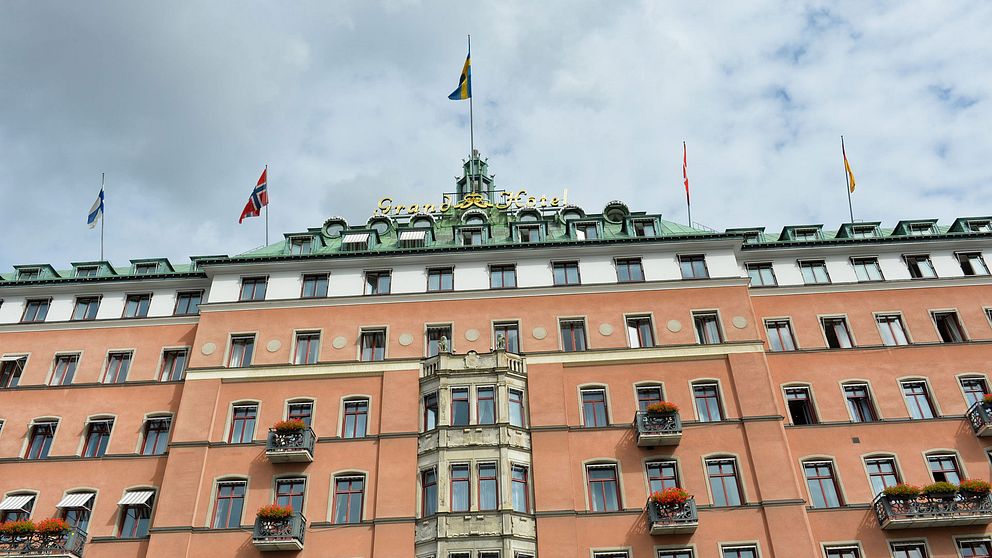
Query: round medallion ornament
{"type": "Point", "coordinates": [208, 348]}
{"type": "Point", "coordinates": [674, 326]}
{"type": "Point", "coordinates": [472, 334]}
{"type": "Point", "coordinates": [406, 339]}
{"type": "Point", "coordinates": [339, 342]}
{"type": "Point", "coordinates": [605, 330]}
{"type": "Point", "coordinates": [273, 345]}
{"type": "Point", "coordinates": [539, 332]}
{"type": "Point", "coordinates": [740, 322]}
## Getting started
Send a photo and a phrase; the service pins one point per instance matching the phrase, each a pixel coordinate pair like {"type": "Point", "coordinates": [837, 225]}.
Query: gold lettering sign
{"type": "Point", "coordinates": [507, 200]}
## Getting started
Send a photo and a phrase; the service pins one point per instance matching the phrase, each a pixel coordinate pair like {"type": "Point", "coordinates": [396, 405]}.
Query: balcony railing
{"type": "Point", "coordinates": [279, 534]}
{"type": "Point", "coordinates": [673, 520]}
{"type": "Point", "coordinates": [658, 429]}
{"type": "Point", "coordinates": [283, 447]}
{"type": "Point", "coordinates": [67, 545]}
{"type": "Point", "coordinates": [933, 511]}
{"type": "Point", "coordinates": [980, 417]}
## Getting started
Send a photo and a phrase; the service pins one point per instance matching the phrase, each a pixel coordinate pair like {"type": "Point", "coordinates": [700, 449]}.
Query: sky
{"type": "Point", "coordinates": [183, 104]}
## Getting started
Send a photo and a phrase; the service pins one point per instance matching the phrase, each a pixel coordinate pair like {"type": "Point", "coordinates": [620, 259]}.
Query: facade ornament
{"type": "Point", "coordinates": [442, 345]}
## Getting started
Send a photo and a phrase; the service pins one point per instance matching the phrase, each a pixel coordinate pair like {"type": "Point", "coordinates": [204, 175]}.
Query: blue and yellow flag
{"type": "Point", "coordinates": [464, 89]}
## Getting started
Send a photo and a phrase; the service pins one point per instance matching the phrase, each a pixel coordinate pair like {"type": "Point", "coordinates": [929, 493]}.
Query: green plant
{"type": "Point", "coordinates": [274, 512]}
{"type": "Point", "coordinates": [902, 491]}
{"type": "Point", "coordinates": [672, 496]}
{"type": "Point", "coordinates": [940, 488]}
{"type": "Point", "coordinates": [663, 407]}
{"type": "Point", "coordinates": [291, 425]}
{"type": "Point", "coordinates": [15, 528]}
{"type": "Point", "coordinates": [52, 526]}
{"type": "Point", "coordinates": [975, 486]}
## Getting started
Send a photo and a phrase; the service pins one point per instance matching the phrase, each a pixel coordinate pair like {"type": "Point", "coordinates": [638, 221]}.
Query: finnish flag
{"type": "Point", "coordinates": [96, 212]}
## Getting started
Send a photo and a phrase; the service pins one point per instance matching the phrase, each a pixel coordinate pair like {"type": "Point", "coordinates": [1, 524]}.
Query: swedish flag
{"type": "Point", "coordinates": [464, 89]}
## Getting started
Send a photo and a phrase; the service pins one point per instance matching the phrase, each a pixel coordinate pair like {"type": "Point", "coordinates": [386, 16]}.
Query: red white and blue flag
{"type": "Point", "coordinates": [259, 198]}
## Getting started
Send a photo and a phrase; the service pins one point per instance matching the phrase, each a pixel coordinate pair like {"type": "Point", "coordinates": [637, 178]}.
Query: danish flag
{"type": "Point", "coordinates": [259, 198]}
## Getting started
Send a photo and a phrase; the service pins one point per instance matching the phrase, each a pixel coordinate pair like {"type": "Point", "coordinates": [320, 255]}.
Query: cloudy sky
{"type": "Point", "coordinates": [182, 105]}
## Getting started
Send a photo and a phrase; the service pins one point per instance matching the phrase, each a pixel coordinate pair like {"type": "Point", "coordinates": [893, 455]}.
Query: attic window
{"type": "Point", "coordinates": [86, 271]}
{"type": "Point", "coordinates": [806, 234]}
{"type": "Point", "coordinates": [145, 268]}
{"type": "Point", "coordinates": [356, 241]}
{"type": "Point", "coordinates": [529, 216]}
{"type": "Point", "coordinates": [586, 231]}
{"type": "Point", "coordinates": [751, 237]}
{"type": "Point", "coordinates": [380, 225]}
{"type": "Point", "coordinates": [29, 274]}
{"type": "Point", "coordinates": [413, 239]}
{"type": "Point", "coordinates": [422, 223]}
{"type": "Point", "coordinates": [979, 226]}
{"type": "Point", "coordinates": [571, 214]}
{"type": "Point", "coordinates": [864, 231]}
{"type": "Point", "coordinates": [920, 229]}
{"type": "Point", "coordinates": [301, 245]}
{"type": "Point", "coordinates": [644, 227]}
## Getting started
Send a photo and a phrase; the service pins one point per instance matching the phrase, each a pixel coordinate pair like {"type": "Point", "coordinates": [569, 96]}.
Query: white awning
{"type": "Point", "coordinates": [413, 235]}
{"type": "Point", "coordinates": [12, 358]}
{"type": "Point", "coordinates": [136, 497]}
{"type": "Point", "coordinates": [356, 238]}
{"type": "Point", "coordinates": [16, 503]}
{"type": "Point", "coordinates": [77, 500]}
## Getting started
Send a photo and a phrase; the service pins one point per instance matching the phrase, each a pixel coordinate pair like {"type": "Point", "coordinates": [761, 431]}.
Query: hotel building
{"type": "Point", "coordinates": [474, 379]}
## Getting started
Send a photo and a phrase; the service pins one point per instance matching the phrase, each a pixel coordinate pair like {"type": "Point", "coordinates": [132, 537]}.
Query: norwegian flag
{"type": "Point", "coordinates": [259, 198]}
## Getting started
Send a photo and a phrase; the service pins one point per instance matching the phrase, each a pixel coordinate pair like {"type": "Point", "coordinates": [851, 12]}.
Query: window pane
{"type": "Point", "coordinates": [821, 485]}
{"type": "Point", "coordinates": [707, 397]}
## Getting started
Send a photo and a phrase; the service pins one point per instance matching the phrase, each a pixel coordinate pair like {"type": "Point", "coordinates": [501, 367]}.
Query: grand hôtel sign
{"type": "Point", "coordinates": [519, 200]}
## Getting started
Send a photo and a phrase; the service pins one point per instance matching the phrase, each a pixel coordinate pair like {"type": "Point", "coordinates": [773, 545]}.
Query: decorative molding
{"type": "Point", "coordinates": [100, 324]}
{"type": "Point", "coordinates": [539, 332]}
{"type": "Point", "coordinates": [405, 339]}
{"type": "Point", "coordinates": [605, 330]}
{"type": "Point", "coordinates": [740, 322]}
{"type": "Point", "coordinates": [208, 348]}
{"type": "Point", "coordinates": [339, 342]}
{"type": "Point", "coordinates": [270, 372]}
{"type": "Point", "coordinates": [650, 354]}
{"type": "Point", "coordinates": [472, 334]}
{"type": "Point", "coordinates": [273, 345]}
{"type": "Point", "coordinates": [674, 326]}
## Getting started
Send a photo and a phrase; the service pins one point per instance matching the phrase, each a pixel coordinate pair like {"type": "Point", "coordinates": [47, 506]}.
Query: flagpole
{"type": "Point", "coordinates": [266, 205]}
{"type": "Point", "coordinates": [685, 176]}
{"type": "Point", "coordinates": [471, 117]}
{"type": "Point", "coordinates": [103, 210]}
{"type": "Point", "coordinates": [847, 176]}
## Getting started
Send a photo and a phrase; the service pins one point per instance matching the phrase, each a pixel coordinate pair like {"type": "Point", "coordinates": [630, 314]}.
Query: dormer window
{"type": "Point", "coordinates": [804, 235]}
{"type": "Point", "coordinates": [414, 239]}
{"type": "Point", "coordinates": [475, 220]}
{"type": "Point", "coordinates": [571, 213]}
{"type": "Point", "coordinates": [644, 227]}
{"type": "Point", "coordinates": [86, 271]}
{"type": "Point", "coordinates": [528, 216]}
{"type": "Point", "coordinates": [422, 223]}
{"type": "Point", "coordinates": [380, 225]}
{"type": "Point", "coordinates": [864, 231]}
{"type": "Point", "coordinates": [356, 241]}
{"type": "Point", "coordinates": [471, 236]}
{"type": "Point", "coordinates": [920, 229]}
{"type": "Point", "coordinates": [529, 233]}
{"type": "Point", "coordinates": [301, 245]}
{"type": "Point", "coordinates": [980, 226]}
{"type": "Point", "coordinates": [334, 226]}
{"type": "Point", "coordinates": [586, 231]}
{"type": "Point", "coordinates": [29, 274]}
{"type": "Point", "coordinates": [751, 237]}
{"type": "Point", "coordinates": [145, 268]}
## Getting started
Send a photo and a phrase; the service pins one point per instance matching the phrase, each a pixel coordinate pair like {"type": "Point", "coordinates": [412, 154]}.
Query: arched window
{"type": "Point", "coordinates": [76, 507]}
{"type": "Point", "coordinates": [349, 495]}
{"type": "Point", "coordinates": [17, 506]}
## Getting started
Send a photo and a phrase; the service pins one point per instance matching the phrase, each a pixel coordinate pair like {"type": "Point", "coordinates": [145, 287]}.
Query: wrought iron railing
{"type": "Point", "coordinates": [683, 515]}
{"type": "Point", "coordinates": [655, 423]}
{"type": "Point", "coordinates": [299, 440]}
{"type": "Point", "coordinates": [275, 530]}
{"type": "Point", "coordinates": [980, 416]}
{"type": "Point", "coordinates": [44, 544]}
{"type": "Point", "coordinates": [923, 507]}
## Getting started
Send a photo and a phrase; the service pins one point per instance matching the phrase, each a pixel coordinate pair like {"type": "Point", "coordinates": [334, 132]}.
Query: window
{"type": "Point", "coordinates": [428, 492]}
{"type": "Point", "coordinates": [356, 415]}
{"type": "Point", "coordinates": [242, 349]}
{"type": "Point", "coordinates": [86, 308]}
{"type": "Point", "coordinates": [430, 411]}
{"type": "Point", "coordinates": [502, 276]}
{"type": "Point", "coordinates": [679, 553]}
{"type": "Point", "coordinates": [920, 267]}
{"type": "Point", "coordinates": [822, 487]}
{"type": "Point", "coordinates": [348, 495]}
{"type": "Point", "coordinates": [867, 269]}
{"type": "Point", "coordinates": [11, 368]}
{"type": "Point", "coordinates": [859, 403]}
{"type": "Point", "coordinates": [693, 267]}
{"type": "Point", "coordinates": [565, 273]}
{"type": "Point", "coordinates": [864, 231]}
{"type": "Point", "coordinates": [918, 400]}
{"type": "Point", "coordinates": [573, 335]}
{"type": "Point", "coordinates": [488, 492]}
{"type": "Point", "coordinates": [806, 234]}
{"type": "Point", "coordinates": [586, 231]}
{"type": "Point", "coordinates": [761, 274]}
{"type": "Point", "coordinates": [136, 513]}
{"type": "Point", "coordinates": [35, 310]}
{"type": "Point", "coordinates": [459, 407]}
{"type": "Point", "coordinates": [604, 490]}
{"type": "Point", "coordinates": [307, 346]}
{"type": "Point", "coordinates": [516, 398]}
{"type": "Point", "coordinates": [968, 549]}
{"type": "Point", "coordinates": [434, 335]}
{"type": "Point", "coordinates": [974, 389]}
{"type": "Point", "coordinates": [843, 552]}
{"type": "Point", "coordinates": [156, 435]}
{"type": "Point", "coordinates": [529, 233]}
{"type": "Point", "coordinates": [949, 327]}
{"type": "Point", "coordinates": [314, 285]}
{"type": "Point", "coordinates": [31, 274]}
{"type": "Point", "coordinates": [16, 507]}
{"type": "Point", "coordinates": [882, 473]}
{"type": "Point", "coordinates": [485, 405]}
{"type": "Point", "coordinates": [909, 550]}
{"type": "Point", "coordinates": [373, 345]}
{"type": "Point", "coordinates": [661, 475]}
{"type": "Point", "coordinates": [800, 403]}
{"type": "Point", "coordinates": [300, 410]}
{"type": "Point", "coordinates": [471, 236]}
{"type": "Point", "coordinates": [972, 263]}
{"type": "Point", "coordinates": [253, 288]}
{"type": "Point", "coordinates": [136, 306]}
{"type": "Point", "coordinates": [594, 407]}
{"type": "Point", "coordinates": [707, 398]}
{"type": "Point", "coordinates": [629, 270]}
{"type": "Point", "coordinates": [301, 245]}
{"type": "Point", "coordinates": [145, 268]}
{"type": "Point", "coordinates": [188, 303]}
{"type": "Point", "coordinates": [243, 424]}
{"type": "Point", "coordinates": [979, 226]}
{"type": "Point", "coordinates": [520, 489]}
{"type": "Point", "coordinates": [611, 554]}
{"type": "Point", "coordinates": [83, 272]}
{"type": "Point", "coordinates": [460, 488]}
{"type": "Point", "coordinates": [290, 492]}
{"type": "Point", "coordinates": [440, 279]}
{"type": "Point", "coordinates": [40, 441]}
{"type": "Point", "coordinates": [722, 474]}
{"type": "Point", "coordinates": [76, 509]}
{"type": "Point", "coordinates": [647, 395]}
{"type": "Point", "coordinates": [97, 437]}
{"type": "Point", "coordinates": [644, 227]}
{"type": "Point", "coordinates": [639, 332]}
{"type": "Point", "coordinates": [944, 468]}
{"type": "Point", "coordinates": [64, 370]}
{"type": "Point", "coordinates": [891, 329]}
{"type": "Point", "coordinates": [837, 334]}
{"type": "Point", "coordinates": [509, 332]}
{"type": "Point", "coordinates": [780, 335]}
{"type": "Point", "coordinates": [814, 272]}
{"type": "Point", "coordinates": [355, 242]}
{"type": "Point", "coordinates": [707, 328]}
{"type": "Point", "coordinates": [230, 504]}
{"type": "Point", "coordinates": [118, 365]}
{"type": "Point", "coordinates": [173, 365]}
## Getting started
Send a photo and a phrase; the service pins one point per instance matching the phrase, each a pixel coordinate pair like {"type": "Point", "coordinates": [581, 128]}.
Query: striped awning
{"type": "Point", "coordinates": [136, 497]}
{"type": "Point", "coordinates": [356, 238]}
{"type": "Point", "coordinates": [413, 235]}
{"type": "Point", "coordinates": [16, 503]}
{"type": "Point", "coordinates": [12, 358]}
{"type": "Point", "coordinates": [77, 500]}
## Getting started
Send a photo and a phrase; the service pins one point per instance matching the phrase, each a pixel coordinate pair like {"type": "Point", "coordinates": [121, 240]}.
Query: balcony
{"type": "Point", "coordinates": [290, 447]}
{"type": "Point", "coordinates": [279, 534]}
{"type": "Point", "coordinates": [54, 545]}
{"type": "Point", "coordinates": [658, 429]}
{"type": "Point", "coordinates": [933, 511]}
{"type": "Point", "coordinates": [980, 417]}
{"type": "Point", "coordinates": [673, 520]}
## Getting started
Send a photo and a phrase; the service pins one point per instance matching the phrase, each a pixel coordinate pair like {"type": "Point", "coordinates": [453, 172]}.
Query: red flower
{"type": "Point", "coordinates": [52, 525]}
{"type": "Point", "coordinates": [274, 512]}
{"type": "Point", "coordinates": [291, 425]}
{"type": "Point", "coordinates": [15, 528]}
{"type": "Point", "coordinates": [663, 407]}
{"type": "Point", "coordinates": [672, 496]}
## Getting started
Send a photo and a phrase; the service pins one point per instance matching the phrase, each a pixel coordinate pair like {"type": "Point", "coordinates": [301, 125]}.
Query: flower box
{"type": "Point", "coordinates": [288, 426]}
{"type": "Point", "coordinates": [274, 512]}
{"type": "Point", "coordinates": [662, 408]}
